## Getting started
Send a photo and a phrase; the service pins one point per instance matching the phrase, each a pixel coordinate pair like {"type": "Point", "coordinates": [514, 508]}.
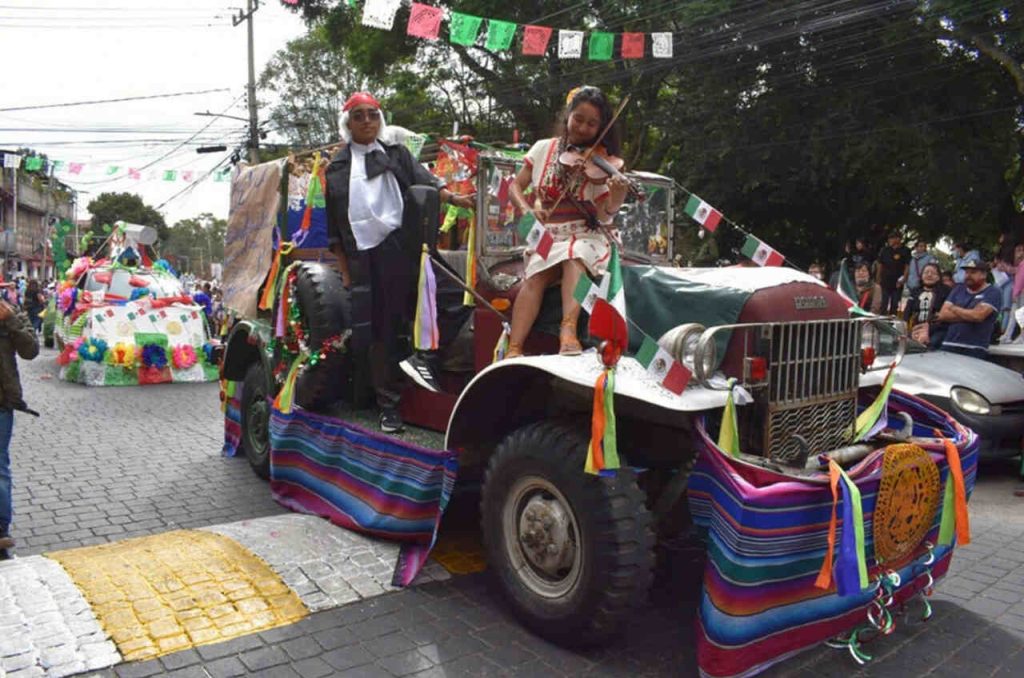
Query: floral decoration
{"type": "Point", "coordinates": [122, 355]}
{"type": "Point", "coordinates": [183, 356]}
{"type": "Point", "coordinates": [154, 355]}
{"type": "Point", "coordinates": [66, 301]}
{"type": "Point", "coordinates": [93, 349]}
{"type": "Point", "coordinates": [70, 352]}
{"type": "Point", "coordinates": [208, 350]}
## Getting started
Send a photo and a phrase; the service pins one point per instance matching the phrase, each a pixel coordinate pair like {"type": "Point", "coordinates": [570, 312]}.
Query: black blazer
{"type": "Point", "coordinates": [406, 170]}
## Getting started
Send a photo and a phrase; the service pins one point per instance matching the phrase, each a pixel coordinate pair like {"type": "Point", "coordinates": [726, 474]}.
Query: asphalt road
{"type": "Point", "coordinates": [105, 464]}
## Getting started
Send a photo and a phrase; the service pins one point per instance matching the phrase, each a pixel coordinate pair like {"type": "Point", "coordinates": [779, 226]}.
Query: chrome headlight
{"type": "Point", "coordinates": [970, 401]}
{"type": "Point", "coordinates": [681, 343]}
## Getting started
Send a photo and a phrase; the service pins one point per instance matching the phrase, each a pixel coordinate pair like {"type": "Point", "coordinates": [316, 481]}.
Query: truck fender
{"type": "Point", "coordinates": [246, 345]}
{"type": "Point", "coordinates": [511, 393]}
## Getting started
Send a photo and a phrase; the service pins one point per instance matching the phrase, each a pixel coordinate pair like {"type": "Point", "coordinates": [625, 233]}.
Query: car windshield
{"type": "Point", "coordinates": [121, 283]}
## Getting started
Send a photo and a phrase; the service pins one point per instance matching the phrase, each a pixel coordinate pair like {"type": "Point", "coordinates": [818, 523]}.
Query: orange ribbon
{"type": "Point", "coordinates": [595, 451]}
{"type": "Point", "coordinates": [956, 472]}
{"type": "Point", "coordinates": [824, 579]}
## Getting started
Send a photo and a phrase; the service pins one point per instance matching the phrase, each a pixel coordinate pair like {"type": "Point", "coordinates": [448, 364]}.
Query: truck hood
{"type": "Point", "coordinates": [936, 372]}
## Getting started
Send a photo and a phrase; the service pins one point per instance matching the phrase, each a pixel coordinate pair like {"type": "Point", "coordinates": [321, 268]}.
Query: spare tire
{"type": "Point", "coordinates": [325, 314]}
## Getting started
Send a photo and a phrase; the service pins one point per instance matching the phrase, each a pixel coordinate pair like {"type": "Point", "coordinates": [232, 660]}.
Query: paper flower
{"type": "Point", "coordinates": [93, 349]}
{"type": "Point", "coordinates": [140, 292]}
{"type": "Point", "coordinates": [208, 349]}
{"type": "Point", "coordinates": [78, 267]}
{"type": "Point", "coordinates": [122, 355]}
{"type": "Point", "coordinates": [66, 302]}
{"type": "Point", "coordinates": [184, 356]}
{"type": "Point", "coordinates": [154, 355]}
{"type": "Point", "coordinates": [68, 355]}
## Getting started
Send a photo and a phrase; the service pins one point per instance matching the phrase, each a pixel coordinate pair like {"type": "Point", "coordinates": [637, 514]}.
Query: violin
{"type": "Point", "coordinates": [598, 165]}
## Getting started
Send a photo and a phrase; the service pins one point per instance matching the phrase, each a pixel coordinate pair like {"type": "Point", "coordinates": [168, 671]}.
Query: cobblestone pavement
{"type": "Point", "coordinates": [106, 464]}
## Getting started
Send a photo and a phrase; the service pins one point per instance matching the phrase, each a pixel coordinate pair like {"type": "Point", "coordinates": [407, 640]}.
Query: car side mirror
{"type": "Point", "coordinates": [422, 214]}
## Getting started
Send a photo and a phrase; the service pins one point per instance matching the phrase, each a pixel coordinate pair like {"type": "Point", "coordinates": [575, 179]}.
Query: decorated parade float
{"type": "Point", "coordinates": [123, 320]}
{"type": "Point", "coordinates": [748, 407]}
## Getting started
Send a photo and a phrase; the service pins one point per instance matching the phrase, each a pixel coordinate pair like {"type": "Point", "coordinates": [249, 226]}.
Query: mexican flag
{"type": "Point", "coordinates": [585, 293]}
{"type": "Point", "coordinates": [667, 371]}
{"type": "Point", "coordinates": [608, 316]}
{"type": "Point", "coordinates": [847, 290]}
{"type": "Point", "coordinates": [760, 253]}
{"type": "Point", "coordinates": [536, 237]}
{"type": "Point", "coordinates": [703, 213]}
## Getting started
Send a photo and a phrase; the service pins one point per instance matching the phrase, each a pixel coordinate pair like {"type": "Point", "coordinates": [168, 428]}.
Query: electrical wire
{"type": "Point", "coordinates": [115, 101]}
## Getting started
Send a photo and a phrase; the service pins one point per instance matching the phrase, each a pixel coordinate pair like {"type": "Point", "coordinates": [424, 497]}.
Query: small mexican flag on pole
{"type": "Point", "coordinates": [703, 213]}
{"type": "Point", "coordinates": [536, 237]}
{"type": "Point", "coordinates": [760, 253]}
{"type": "Point", "coordinates": [847, 290]}
{"type": "Point", "coordinates": [662, 367]}
{"type": "Point", "coordinates": [585, 293]}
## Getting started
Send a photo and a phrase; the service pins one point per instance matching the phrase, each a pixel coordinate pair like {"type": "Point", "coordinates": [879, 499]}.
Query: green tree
{"type": "Point", "coordinates": [106, 208]}
{"type": "Point", "coordinates": [808, 122]}
{"type": "Point", "coordinates": [199, 240]}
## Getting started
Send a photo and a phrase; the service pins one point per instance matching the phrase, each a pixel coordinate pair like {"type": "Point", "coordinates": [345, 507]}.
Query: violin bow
{"type": "Point", "coordinates": [597, 142]}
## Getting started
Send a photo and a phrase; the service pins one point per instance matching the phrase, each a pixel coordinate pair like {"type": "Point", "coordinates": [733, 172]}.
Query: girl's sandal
{"type": "Point", "coordinates": [569, 344]}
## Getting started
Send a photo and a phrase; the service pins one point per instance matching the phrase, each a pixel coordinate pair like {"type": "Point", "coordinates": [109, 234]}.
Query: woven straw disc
{"type": "Point", "coordinates": [908, 497]}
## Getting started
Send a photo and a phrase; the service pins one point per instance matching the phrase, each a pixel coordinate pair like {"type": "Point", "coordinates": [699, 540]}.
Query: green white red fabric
{"type": "Point", "coordinates": [703, 213]}
{"type": "Point", "coordinates": [536, 237]}
{"type": "Point", "coordinates": [662, 367]}
{"type": "Point", "coordinates": [608, 316]}
{"type": "Point", "coordinates": [761, 253]}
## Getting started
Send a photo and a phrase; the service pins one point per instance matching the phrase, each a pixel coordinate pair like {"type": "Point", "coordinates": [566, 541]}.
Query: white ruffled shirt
{"type": "Point", "coordinates": [374, 205]}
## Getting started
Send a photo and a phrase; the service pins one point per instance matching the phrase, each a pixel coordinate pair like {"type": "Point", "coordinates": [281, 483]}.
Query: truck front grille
{"type": "Point", "coordinates": [812, 389]}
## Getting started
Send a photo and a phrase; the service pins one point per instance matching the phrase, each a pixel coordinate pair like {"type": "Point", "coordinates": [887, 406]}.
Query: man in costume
{"type": "Point", "coordinates": [366, 182]}
{"type": "Point", "coordinates": [970, 309]}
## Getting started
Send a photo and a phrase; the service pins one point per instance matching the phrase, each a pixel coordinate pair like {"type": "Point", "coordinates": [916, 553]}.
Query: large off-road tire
{"type": "Point", "coordinates": [325, 309]}
{"type": "Point", "coordinates": [571, 552]}
{"type": "Point", "coordinates": [256, 420]}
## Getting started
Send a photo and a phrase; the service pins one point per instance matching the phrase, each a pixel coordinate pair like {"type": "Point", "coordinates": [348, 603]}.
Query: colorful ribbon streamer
{"type": "Point", "coordinates": [728, 433]}
{"type": "Point", "coordinates": [426, 334]}
{"type": "Point", "coordinates": [851, 571]}
{"type": "Point", "coordinates": [286, 396]}
{"type": "Point", "coordinates": [603, 453]}
{"type": "Point", "coordinates": [875, 416]}
{"type": "Point", "coordinates": [501, 347]}
{"type": "Point", "coordinates": [954, 502]}
{"type": "Point", "coordinates": [273, 278]}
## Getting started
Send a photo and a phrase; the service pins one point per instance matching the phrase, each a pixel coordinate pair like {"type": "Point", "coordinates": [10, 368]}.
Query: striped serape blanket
{"type": "Point", "coordinates": [767, 534]}
{"type": "Point", "coordinates": [232, 406]}
{"type": "Point", "coordinates": [361, 480]}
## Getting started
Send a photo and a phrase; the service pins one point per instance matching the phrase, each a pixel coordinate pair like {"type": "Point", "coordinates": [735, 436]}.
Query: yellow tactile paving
{"type": "Point", "coordinates": [167, 592]}
{"type": "Point", "coordinates": [459, 553]}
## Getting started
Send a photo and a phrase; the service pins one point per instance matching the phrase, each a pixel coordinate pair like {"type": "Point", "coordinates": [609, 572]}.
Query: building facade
{"type": "Point", "coordinates": [29, 208]}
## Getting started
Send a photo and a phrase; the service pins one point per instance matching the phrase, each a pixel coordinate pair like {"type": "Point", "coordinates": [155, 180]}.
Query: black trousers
{"type": "Point", "coordinates": [383, 306]}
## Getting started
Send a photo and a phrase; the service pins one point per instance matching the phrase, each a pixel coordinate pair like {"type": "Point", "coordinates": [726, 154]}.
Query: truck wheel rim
{"type": "Point", "coordinates": [542, 537]}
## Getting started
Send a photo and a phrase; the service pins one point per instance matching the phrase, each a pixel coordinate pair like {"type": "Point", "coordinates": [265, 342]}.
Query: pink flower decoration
{"type": "Point", "coordinates": [183, 356]}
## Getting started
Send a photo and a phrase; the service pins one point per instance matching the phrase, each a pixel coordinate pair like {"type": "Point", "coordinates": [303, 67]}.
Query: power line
{"type": "Point", "coordinates": [115, 101]}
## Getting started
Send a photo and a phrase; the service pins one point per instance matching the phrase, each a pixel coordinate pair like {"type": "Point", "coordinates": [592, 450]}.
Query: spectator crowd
{"type": "Point", "coordinates": [965, 307]}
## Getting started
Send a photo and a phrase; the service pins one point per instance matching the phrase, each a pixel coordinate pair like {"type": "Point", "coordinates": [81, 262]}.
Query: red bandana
{"type": "Point", "coordinates": [360, 98]}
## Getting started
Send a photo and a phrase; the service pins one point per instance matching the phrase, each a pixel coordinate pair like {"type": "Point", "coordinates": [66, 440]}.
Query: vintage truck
{"type": "Point", "coordinates": [573, 552]}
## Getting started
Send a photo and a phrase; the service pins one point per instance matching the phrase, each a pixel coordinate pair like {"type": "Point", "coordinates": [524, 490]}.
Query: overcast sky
{"type": "Point", "coordinates": [64, 51]}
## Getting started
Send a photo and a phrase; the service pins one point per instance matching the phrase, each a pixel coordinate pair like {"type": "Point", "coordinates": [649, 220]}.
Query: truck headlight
{"type": "Point", "coordinates": [970, 401]}
{"type": "Point", "coordinates": [681, 342]}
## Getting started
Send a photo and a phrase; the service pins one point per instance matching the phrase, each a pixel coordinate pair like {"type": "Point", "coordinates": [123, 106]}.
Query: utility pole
{"type": "Point", "coordinates": [254, 135]}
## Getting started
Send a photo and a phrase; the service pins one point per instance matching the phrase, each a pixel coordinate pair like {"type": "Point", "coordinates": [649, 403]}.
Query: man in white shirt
{"type": "Point", "coordinates": [366, 182]}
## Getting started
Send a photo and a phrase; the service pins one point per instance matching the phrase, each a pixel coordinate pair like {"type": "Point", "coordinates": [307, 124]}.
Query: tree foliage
{"type": "Point", "coordinates": [106, 208]}
{"type": "Point", "coordinates": [199, 240]}
{"type": "Point", "coordinates": [809, 123]}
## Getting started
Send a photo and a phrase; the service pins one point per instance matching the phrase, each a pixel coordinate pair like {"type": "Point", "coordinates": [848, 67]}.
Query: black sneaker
{"type": "Point", "coordinates": [420, 371]}
{"type": "Point", "coordinates": [390, 422]}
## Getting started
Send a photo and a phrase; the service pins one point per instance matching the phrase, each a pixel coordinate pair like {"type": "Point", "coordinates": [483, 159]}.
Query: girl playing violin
{"type": "Point", "coordinates": [575, 208]}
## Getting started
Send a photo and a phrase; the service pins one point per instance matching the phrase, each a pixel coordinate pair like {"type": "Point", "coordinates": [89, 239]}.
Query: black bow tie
{"type": "Point", "coordinates": [377, 162]}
